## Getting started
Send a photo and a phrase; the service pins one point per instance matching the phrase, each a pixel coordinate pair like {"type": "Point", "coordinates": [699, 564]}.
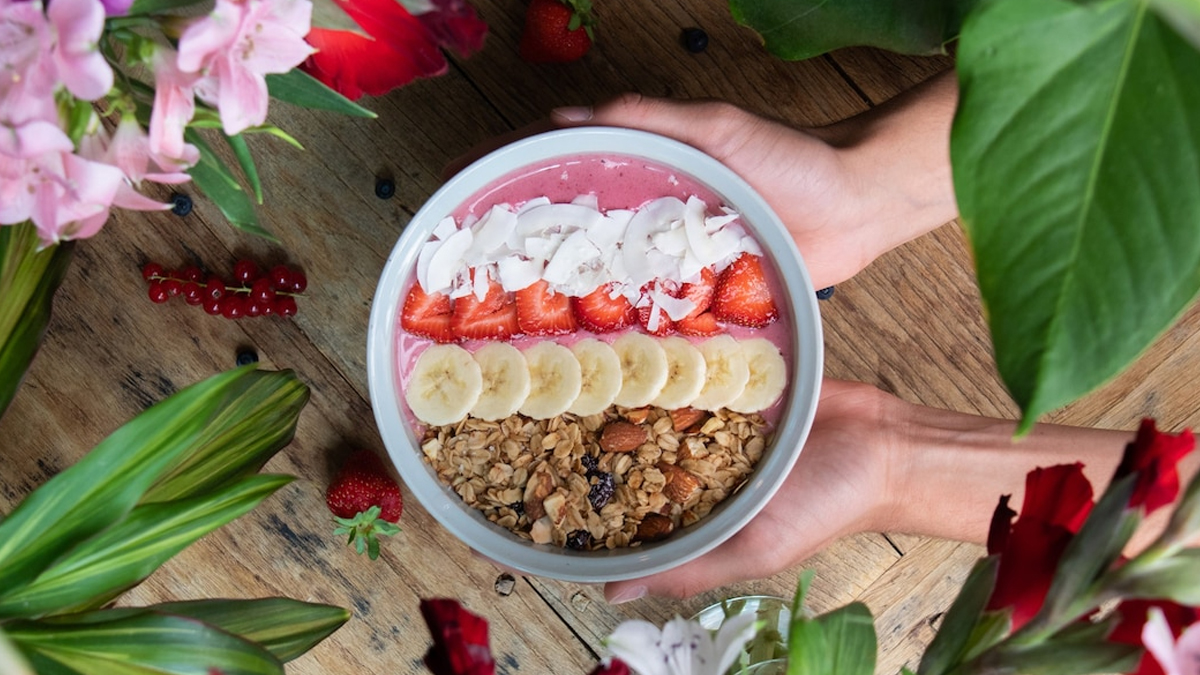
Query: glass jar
{"type": "Point", "coordinates": [766, 652]}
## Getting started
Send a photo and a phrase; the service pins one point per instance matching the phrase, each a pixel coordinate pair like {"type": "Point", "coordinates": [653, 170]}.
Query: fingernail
{"type": "Point", "coordinates": [627, 594]}
{"type": "Point", "coordinates": [572, 114]}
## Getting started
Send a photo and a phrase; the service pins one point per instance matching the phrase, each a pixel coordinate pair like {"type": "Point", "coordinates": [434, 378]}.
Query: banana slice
{"type": "Point", "coordinates": [768, 376]}
{"type": "Point", "coordinates": [643, 369]}
{"type": "Point", "coordinates": [444, 384]}
{"type": "Point", "coordinates": [555, 380]}
{"type": "Point", "coordinates": [685, 374]}
{"type": "Point", "coordinates": [505, 381]}
{"type": "Point", "coordinates": [725, 375]}
{"type": "Point", "coordinates": [601, 372]}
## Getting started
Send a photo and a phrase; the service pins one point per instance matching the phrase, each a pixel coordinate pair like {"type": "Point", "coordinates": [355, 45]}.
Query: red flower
{"type": "Point", "coordinates": [397, 47]}
{"type": "Point", "coordinates": [1133, 617]}
{"type": "Point", "coordinates": [1154, 455]}
{"type": "Point", "coordinates": [460, 640]}
{"type": "Point", "coordinates": [1057, 501]}
{"type": "Point", "coordinates": [611, 666]}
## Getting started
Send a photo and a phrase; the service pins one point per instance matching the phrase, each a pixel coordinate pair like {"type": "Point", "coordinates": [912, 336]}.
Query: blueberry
{"type": "Point", "coordinates": [825, 293]}
{"type": "Point", "coordinates": [246, 357]}
{"type": "Point", "coordinates": [589, 463]}
{"type": "Point", "coordinates": [695, 40]}
{"type": "Point", "coordinates": [602, 490]}
{"type": "Point", "coordinates": [181, 204]}
{"type": "Point", "coordinates": [385, 188]}
{"type": "Point", "coordinates": [579, 540]}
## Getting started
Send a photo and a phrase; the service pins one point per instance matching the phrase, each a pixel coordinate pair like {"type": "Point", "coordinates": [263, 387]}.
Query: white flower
{"type": "Point", "coordinates": [1177, 657]}
{"type": "Point", "coordinates": [682, 647]}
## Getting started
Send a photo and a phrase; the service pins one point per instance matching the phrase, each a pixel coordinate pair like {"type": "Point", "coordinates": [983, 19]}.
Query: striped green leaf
{"type": "Point", "coordinates": [299, 88]}
{"type": "Point", "coordinates": [28, 280]}
{"type": "Point", "coordinates": [102, 488]}
{"type": "Point", "coordinates": [258, 419]}
{"type": "Point", "coordinates": [144, 643]}
{"type": "Point", "coordinates": [212, 177]}
{"type": "Point", "coordinates": [242, 151]}
{"type": "Point", "coordinates": [123, 555]}
{"type": "Point", "coordinates": [286, 628]}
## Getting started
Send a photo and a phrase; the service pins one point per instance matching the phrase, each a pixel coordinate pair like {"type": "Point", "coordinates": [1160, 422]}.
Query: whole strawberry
{"type": "Point", "coordinates": [557, 31]}
{"type": "Point", "coordinates": [365, 502]}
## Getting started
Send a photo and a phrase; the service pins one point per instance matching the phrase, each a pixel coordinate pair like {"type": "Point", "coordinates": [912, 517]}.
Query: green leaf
{"type": "Point", "coordinates": [850, 636]}
{"type": "Point", "coordinates": [1184, 15]}
{"type": "Point", "coordinates": [104, 486]}
{"type": "Point", "coordinates": [1067, 658]}
{"type": "Point", "coordinates": [246, 160]}
{"type": "Point", "coordinates": [1076, 138]}
{"type": "Point", "coordinates": [287, 628]}
{"type": "Point", "coordinates": [299, 88]}
{"type": "Point", "coordinates": [800, 29]}
{"type": "Point", "coordinates": [144, 644]}
{"type": "Point", "coordinates": [158, 6]}
{"type": "Point", "coordinates": [123, 555]}
{"type": "Point", "coordinates": [276, 132]}
{"type": "Point", "coordinates": [1091, 552]}
{"type": "Point", "coordinates": [257, 420]}
{"type": "Point", "coordinates": [28, 280]}
{"type": "Point", "coordinates": [215, 180]}
{"type": "Point", "coordinates": [807, 646]}
{"type": "Point", "coordinates": [1175, 577]}
{"type": "Point", "coordinates": [954, 638]}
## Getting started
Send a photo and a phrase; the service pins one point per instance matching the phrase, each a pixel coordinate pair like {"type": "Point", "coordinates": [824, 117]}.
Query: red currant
{"type": "Point", "coordinates": [151, 270]}
{"type": "Point", "coordinates": [245, 271]}
{"type": "Point", "coordinates": [191, 273]}
{"type": "Point", "coordinates": [212, 305]}
{"type": "Point", "coordinates": [157, 292]}
{"type": "Point", "coordinates": [299, 281]}
{"type": "Point", "coordinates": [256, 308]}
{"type": "Point", "coordinates": [174, 286]}
{"type": "Point", "coordinates": [262, 291]}
{"type": "Point", "coordinates": [280, 277]}
{"type": "Point", "coordinates": [285, 305]}
{"type": "Point", "coordinates": [214, 289]}
{"type": "Point", "coordinates": [233, 307]}
{"type": "Point", "coordinates": [192, 293]}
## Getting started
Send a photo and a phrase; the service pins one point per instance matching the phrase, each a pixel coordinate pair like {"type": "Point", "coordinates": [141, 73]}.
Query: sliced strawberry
{"type": "Point", "coordinates": [495, 318]}
{"type": "Point", "coordinates": [427, 315]}
{"type": "Point", "coordinates": [541, 311]}
{"type": "Point", "coordinates": [700, 292]}
{"type": "Point", "coordinates": [701, 325]}
{"type": "Point", "coordinates": [742, 295]}
{"type": "Point", "coordinates": [601, 314]}
{"type": "Point", "coordinates": [664, 327]}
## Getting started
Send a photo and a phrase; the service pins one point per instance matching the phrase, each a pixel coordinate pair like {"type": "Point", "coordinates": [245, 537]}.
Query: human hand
{"type": "Point", "coordinates": [839, 485]}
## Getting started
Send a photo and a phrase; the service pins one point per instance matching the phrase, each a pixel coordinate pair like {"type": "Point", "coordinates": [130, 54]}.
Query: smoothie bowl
{"type": "Point", "coordinates": [594, 354]}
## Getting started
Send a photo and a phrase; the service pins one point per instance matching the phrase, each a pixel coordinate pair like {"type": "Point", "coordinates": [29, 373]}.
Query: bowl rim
{"type": "Point", "coordinates": [468, 524]}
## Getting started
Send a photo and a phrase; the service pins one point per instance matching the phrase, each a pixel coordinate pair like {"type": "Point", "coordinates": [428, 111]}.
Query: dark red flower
{"type": "Point", "coordinates": [1057, 501]}
{"type": "Point", "coordinates": [612, 666]}
{"type": "Point", "coordinates": [1154, 455]}
{"type": "Point", "coordinates": [1133, 614]}
{"type": "Point", "coordinates": [460, 640]}
{"type": "Point", "coordinates": [395, 46]}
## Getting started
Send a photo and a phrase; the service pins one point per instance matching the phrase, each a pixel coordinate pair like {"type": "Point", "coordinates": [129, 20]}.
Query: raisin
{"type": "Point", "coordinates": [579, 540]}
{"type": "Point", "coordinates": [602, 490]}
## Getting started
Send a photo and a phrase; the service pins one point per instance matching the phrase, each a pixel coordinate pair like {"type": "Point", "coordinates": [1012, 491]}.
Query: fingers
{"type": "Point", "coordinates": [696, 123]}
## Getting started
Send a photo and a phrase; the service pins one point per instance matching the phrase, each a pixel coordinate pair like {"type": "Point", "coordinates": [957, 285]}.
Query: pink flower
{"type": "Point", "coordinates": [1177, 657]}
{"type": "Point", "coordinates": [78, 25]}
{"type": "Point", "coordinates": [1131, 628]}
{"type": "Point", "coordinates": [174, 105]}
{"type": "Point", "coordinates": [235, 46]}
{"type": "Point", "coordinates": [27, 70]}
{"type": "Point", "coordinates": [129, 150]}
{"type": "Point", "coordinates": [401, 44]}
{"type": "Point", "coordinates": [66, 196]}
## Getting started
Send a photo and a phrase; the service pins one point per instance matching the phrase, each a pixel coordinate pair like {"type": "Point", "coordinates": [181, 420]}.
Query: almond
{"type": "Point", "coordinates": [637, 415]}
{"type": "Point", "coordinates": [684, 419]}
{"type": "Point", "coordinates": [654, 527]}
{"type": "Point", "coordinates": [622, 437]}
{"type": "Point", "coordinates": [540, 486]}
{"type": "Point", "coordinates": [681, 484]}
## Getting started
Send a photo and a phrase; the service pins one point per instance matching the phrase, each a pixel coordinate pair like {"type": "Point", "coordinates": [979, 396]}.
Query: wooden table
{"type": "Point", "coordinates": [910, 324]}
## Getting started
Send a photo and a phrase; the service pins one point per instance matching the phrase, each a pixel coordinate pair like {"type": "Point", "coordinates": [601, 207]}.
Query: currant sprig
{"type": "Point", "coordinates": [251, 293]}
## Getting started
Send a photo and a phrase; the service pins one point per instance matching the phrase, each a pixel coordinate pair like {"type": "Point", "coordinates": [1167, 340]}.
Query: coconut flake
{"type": "Point", "coordinates": [516, 273]}
{"type": "Point", "coordinates": [447, 260]}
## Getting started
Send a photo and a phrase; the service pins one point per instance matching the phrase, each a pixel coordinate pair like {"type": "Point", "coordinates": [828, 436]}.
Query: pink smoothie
{"type": "Point", "coordinates": [618, 182]}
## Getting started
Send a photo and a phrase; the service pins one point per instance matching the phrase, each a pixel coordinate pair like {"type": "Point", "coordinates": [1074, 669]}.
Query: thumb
{"type": "Point", "coordinates": [726, 564]}
{"type": "Point", "coordinates": [692, 122]}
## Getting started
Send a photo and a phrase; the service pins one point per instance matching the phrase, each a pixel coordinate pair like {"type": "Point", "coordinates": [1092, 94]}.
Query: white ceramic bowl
{"type": "Point", "coordinates": [500, 545]}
